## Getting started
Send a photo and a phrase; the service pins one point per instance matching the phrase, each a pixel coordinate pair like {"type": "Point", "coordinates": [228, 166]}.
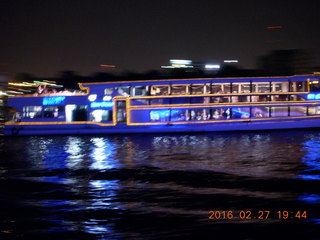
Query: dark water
{"type": "Point", "coordinates": [161, 186]}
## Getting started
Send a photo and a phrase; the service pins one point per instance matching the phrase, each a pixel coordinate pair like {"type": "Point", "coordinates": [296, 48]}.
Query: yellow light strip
{"type": "Point", "coordinates": [58, 123]}
{"type": "Point", "coordinates": [225, 121]}
{"type": "Point", "coordinates": [219, 95]}
{"type": "Point", "coordinates": [231, 104]}
{"type": "Point", "coordinates": [148, 107]}
{"type": "Point", "coordinates": [47, 95]}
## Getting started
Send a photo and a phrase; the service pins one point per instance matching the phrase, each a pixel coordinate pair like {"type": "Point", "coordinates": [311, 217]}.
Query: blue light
{"type": "Point", "coordinates": [241, 112]}
{"type": "Point", "coordinates": [313, 96]}
{"type": "Point", "coordinates": [53, 100]}
{"type": "Point", "coordinates": [101, 104]}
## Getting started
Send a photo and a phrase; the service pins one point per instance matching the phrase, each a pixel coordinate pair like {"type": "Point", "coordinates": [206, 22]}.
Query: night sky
{"type": "Point", "coordinates": [44, 37]}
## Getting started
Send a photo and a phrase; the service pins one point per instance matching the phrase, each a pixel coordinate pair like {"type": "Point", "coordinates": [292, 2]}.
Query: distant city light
{"type": "Point", "coordinates": [212, 66]}
{"type": "Point", "coordinates": [107, 66]}
{"type": "Point", "coordinates": [180, 61]}
{"type": "Point", "coordinates": [167, 67]}
{"type": "Point", "coordinates": [231, 61]}
{"type": "Point", "coordinates": [274, 27]}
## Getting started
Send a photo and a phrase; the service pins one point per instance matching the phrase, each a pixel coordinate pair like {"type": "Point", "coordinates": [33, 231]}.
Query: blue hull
{"type": "Point", "coordinates": [83, 129]}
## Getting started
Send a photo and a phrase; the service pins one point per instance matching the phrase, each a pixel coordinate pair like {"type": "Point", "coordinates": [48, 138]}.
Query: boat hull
{"type": "Point", "coordinates": [83, 129]}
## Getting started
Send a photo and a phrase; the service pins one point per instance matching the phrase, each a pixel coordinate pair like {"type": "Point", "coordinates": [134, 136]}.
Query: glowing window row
{"type": "Point", "coordinates": [210, 88]}
{"type": "Point", "coordinates": [178, 115]}
{"type": "Point", "coordinates": [215, 99]}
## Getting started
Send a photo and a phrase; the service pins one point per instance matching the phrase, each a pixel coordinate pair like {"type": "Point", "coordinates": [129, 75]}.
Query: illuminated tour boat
{"type": "Point", "coordinates": [173, 105]}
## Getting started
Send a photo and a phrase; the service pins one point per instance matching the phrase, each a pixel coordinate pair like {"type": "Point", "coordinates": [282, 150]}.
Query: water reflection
{"type": "Point", "coordinates": [101, 184]}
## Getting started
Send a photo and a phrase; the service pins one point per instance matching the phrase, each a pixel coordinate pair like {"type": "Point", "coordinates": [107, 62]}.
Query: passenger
{"type": "Point", "coordinates": [216, 114]}
{"type": "Point", "coordinates": [41, 89]}
{"type": "Point", "coordinates": [204, 115]}
{"type": "Point", "coordinates": [258, 114]}
{"type": "Point", "coordinates": [187, 116]}
{"type": "Point", "coordinates": [16, 117]}
{"type": "Point", "coordinates": [199, 116]}
{"type": "Point", "coordinates": [56, 113]}
{"type": "Point", "coordinates": [193, 115]}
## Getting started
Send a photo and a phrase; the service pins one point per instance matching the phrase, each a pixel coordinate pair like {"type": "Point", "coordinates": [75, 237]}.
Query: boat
{"type": "Point", "coordinates": [171, 106]}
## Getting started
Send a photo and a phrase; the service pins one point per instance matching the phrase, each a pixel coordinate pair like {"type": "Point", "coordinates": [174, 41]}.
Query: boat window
{"type": "Point", "coordinates": [314, 110]}
{"type": "Point", "coordinates": [178, 115]}
{"type": "Point", "coordinates": [240, 112]}
{"type": "Point", "coordinates": [162, 115]}
{"type": "Point", "coordinates": [279, 98]}
{"type": "Point", "coordinates": [139, 91]}
{"type": "Point", "coordinates": [135, 102]}
{"type": "Point", "coordinates": [315, 86]}
{"type": "Point", "coordinates": [297, 111]}
{"type": "Point", "coordinates": [222, 99]}
{"type": "Point", "coordinates": [298, 86]}
{"type": "Point", "coordinates": [54, 112]}
{"type": "Point", "coordinates": [207, 89]}
{"type": "Point", "coordinates": [261, 87]}
{"type": "Point", "coordinates": [245, 88]}
{"type": "Point", "coordinates": [236, 88]}
{"type": "Point", "coordinates": [221, 113]}
{"type": "Point", "coordinates": [260, 112]}
{"type": "Point", "coordinates": [179, 89]}
{"type": "Point", "coordinates": [197, 89]}
{"type": "Point", "coordinates": [279, 112]}
{"type": "Point", "coordinates": [234, 99]}
{"type": "Point", "coordinates": [100, 115]}
{"type": "Point", "coordinates": [159, 101]}
{"type": "Point", "coordinates": [302, 86]}
{"type": "Point", "coordinates": [108, 91]}
{"type": "Point", "coordinates": [159, 90]}
{"type": "Point", "coordinates": [243, 98]}
{"type": "Point", "coordinates": [263, 98]}
{"type": "Point", "coordinates": [226, 88]}
{"type": "Point", "coordinates": [280, 86]}
{"type": "Point", "coordinates": [216, 88]}
{"type": "Point", "coordinates": [32, 112]}
{"type": "Point", "coordinates": [296, 98]}
{"type": "Point", "coordinates": [79, 113]}
{"type": "Point", "coordinates": [124, 91]}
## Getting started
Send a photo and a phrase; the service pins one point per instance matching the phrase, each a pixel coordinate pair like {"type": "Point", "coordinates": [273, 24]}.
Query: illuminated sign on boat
{"type": "Point", "coordinates": [53, 100]}
{"type": "Point", "coordinates": [312, 96]}
{"type": "Point", "coordinates": [101, 104]}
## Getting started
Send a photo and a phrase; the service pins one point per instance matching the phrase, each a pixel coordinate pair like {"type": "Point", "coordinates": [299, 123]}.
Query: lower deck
{"type": "Point", "coordinates": [21, 128]}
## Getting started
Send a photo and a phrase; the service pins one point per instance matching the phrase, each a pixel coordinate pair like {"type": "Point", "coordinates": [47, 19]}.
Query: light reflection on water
{"type": "Point", "coordinates": [97, 180]}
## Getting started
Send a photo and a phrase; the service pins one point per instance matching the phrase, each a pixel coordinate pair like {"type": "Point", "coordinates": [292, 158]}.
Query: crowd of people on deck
{"type": "Point", "coordinates": [43, 90]}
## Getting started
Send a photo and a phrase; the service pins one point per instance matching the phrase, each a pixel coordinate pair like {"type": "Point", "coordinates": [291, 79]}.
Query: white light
{"type": "Point", "coordinates": [69, 111]}
{"type": "Point", "coordinates": [92, 97]}
{"type": "Point", "coordinates": [167, 67]}
{"type": "Point", "coordinates": [107, 98]}
{"type": "Point", "coordinates": [230, 61]}
{"type": "Point", "coordinates": [212, 66]}
{"type": "Point", "coordinates": [180, 61]}
{"type": "Point", "coordinates": [97, 115]}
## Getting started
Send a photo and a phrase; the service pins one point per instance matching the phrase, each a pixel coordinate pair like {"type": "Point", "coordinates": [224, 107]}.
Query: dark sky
{"type": "Point", "coordinates": [44, 37]}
